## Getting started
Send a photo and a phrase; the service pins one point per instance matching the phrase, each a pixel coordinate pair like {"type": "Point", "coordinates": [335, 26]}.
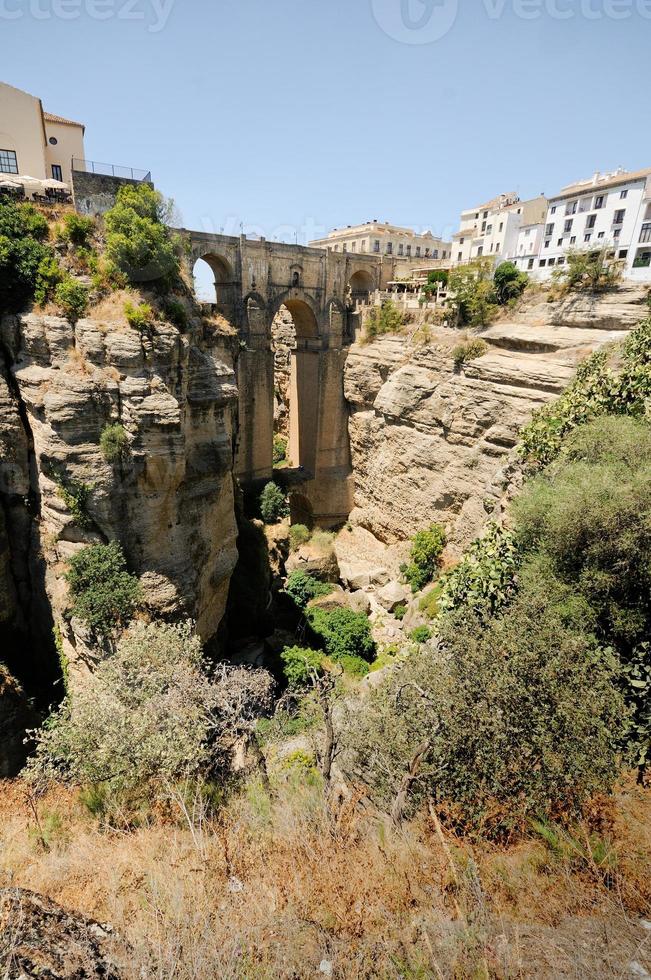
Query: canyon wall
{"type": "Point", "coordinates": [170, 502]}
{"type": "Point", "coordinates": [429, 441]}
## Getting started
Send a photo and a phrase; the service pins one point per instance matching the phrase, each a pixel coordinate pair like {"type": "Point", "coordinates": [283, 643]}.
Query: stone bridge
{"type": "Point", "coordinates": [253, 279]}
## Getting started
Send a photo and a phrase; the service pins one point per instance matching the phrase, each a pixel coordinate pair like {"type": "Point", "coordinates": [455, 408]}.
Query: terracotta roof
{"type": "Point", "coordinates": [588, 186]}
{"type": "Point", "coordinates": [50, 117]}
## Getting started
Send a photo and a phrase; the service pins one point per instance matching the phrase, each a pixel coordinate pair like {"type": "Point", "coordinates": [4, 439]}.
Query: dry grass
{"type": "Point", "coordinates": [270, 889]}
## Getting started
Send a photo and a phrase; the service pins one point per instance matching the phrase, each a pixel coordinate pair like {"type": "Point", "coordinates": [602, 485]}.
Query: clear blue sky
{"type": "Point", "coordinates": [291, 115]}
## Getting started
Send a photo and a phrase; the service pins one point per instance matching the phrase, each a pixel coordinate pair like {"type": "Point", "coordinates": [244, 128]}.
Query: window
{"type": "Point", "coordinates": [491, 248]}
{"type": "Point", "coordinates": [617, 232]}
{"type": "Point", "coordinates": [501, 225]}
{"type": "Point", "coordinates": [459, 256]}
{"type": "Point", "coordinates": [480, 250]}
{"type": "Point", "coordinates": [571, 207]}
{"type": "Point", "coordinates": [363, 246]}
{"type": "Point", "coordinates": [461, 241]}
{"type": "Point", "coordinates": [542, 262]}
{"type": "Point", "coordinates": [619, 217]}
{"type": "Point", "coordinates": [353, 247]}
{"type": "Point", "coordinates": [485, 214]}
{"type": "Point", "coordinates": [427, 253]}
{"type": "Point", "coordinates": [623, 253]}
{"type": "Point", "coordinates": [489, 230]}
{"type": "Point", "coordinates": [418, 251]}
{"type": "Point", "coordinates": [623, 195]}
{"type": "Point", "coordinates": [553, 210]}
{"type": "Point", "coordinates": [53, 141]}
{"type": "Point", "coordinates": [376, 245]}
{"type": "Point", "coordinates": [8, 162]}
{"type": "Point", "coordinates": [401, 249]}
{"type": "Point", "coordinates": [560, 241]}
{"type": "Point", "coordinates": [586, 238]}
{"type": "Point", "coordinates": [345, 247]}
{"type": "Point", "coordinates": [530, 265]}
{"type": "Point", "coordinates": [549, 230]}
{"type": "Point", "coordinates": [568, 227]}
{"type": "Point", "coordinates": [389, 248]}
{"type": "Point", "coordinates": [601, 234]}
{"type": "Point", "coordinates": [591, 221]}
{"type": "Point", "coordinates": [483, 226]}
{"type": "Point", "coordinates": [645, 233]}
{"type": "Point", "coordinates": [497, 247]}
{"type": "Point", "coordinates": [408, 249]}
{"type": "Point", "coordinates": [561, 261]}
{"type": "Point", "coordinates": [436, 253]}
{"type": "Point", "coordinates": [57, 173]}
{"type": "Point", "coordinates": [573, 240]}
{"type": "Point", "coordinates": [552, 262]}
{"type": "Point", "coordinates": [599, 202]}
{"type": "Point", "coordinates": [547, 243]}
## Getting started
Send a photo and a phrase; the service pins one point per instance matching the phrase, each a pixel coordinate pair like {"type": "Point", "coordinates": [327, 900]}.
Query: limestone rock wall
{"type": "Point", "coordinates": [429, 442]}
{"type": "Point", "coordinates": [170, 503]}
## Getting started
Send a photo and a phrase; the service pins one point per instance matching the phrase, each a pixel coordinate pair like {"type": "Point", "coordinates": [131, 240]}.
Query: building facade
{"type": "Point", "coordinates": [376, 238]}
{"type": "Point", "coordinates": [492, 229]}
{"type": "Point", "coordinates": [610, 210]}
{"type": "Point", "coordinates": [33, 142]}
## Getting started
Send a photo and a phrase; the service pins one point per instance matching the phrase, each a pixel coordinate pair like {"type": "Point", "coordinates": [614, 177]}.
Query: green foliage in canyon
{"type": "Point", "coordinates": [303, 587]}
{"type": "Point", "coordinates": [114, 443]}
{"type": "Point", "coordinates": [23, 254]}
{"type": "Point", "coordinates": [384, 319]}
{"type": "Point", "coordinates": [138, 241]}
{"type": "Point", "coordinates": [424, 556]}
{"type": "Point", "coordinates": [273, 504]}
{"type": "Point", "coordinates": [104, 593]}
{"type": "Point", "coordinates": [346, 635]}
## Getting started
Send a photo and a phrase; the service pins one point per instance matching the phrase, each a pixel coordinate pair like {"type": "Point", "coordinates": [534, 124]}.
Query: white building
{"type": "Point", "coordinates": [492, 229]}
{"type": "Point", "coordinates": [528, 246]}
{"type": "Point", "coordinates": [611, 210]}
{"type": "Point", "coordinates": [377, 238]}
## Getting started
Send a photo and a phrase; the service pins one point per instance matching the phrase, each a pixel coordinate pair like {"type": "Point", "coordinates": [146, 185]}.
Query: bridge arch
{"type": "Point", "coordinates": [223, 277]}
{"type": "Point", "coordinates": [362, 284]}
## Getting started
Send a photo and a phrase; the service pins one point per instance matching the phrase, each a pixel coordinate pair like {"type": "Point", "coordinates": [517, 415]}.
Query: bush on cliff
{"type": "Point", "coordinates": [22, 253]}
{"type": "Point", "coordinates": [509, 282]}
{"type": "Point", "coordinates": [72, 298]}
{"type": "Point", "coordinates": [273, 504]}
{"type": "Point", "coordinates": [301, 665]}
{"type": "Point", "coordinates": [503, 723]}
{"type": "Point", "coordinates": [424, 557]}
{"type": "Point", "coordinates": [383, 319]}
{"type": "Point", "coordinates": [151, 713]}
{"type": "Point", "coordinates": [138, 242]}
{"type": "Point", "coordinates": [114, 443]}
{"type": "Point", "coordinates": [104, 594]}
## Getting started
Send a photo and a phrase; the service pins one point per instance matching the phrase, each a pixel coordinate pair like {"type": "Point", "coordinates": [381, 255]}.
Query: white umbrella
{"type": "Point", "coordinates": [9, 182]}
{"type": "Point", "coordinates": [57, 185]}
{"type": "Point", "coordinates": [32, 185]}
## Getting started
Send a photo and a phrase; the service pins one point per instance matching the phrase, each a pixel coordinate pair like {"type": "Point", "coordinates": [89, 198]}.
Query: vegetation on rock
{"type": "Point", "coordinates": [114, 443]}
{"type": "Point", "coordinates": [469, 350]}
{"type": "Point", "coordinates": [303, 587]}
{"type": "Point", "coordinates": [104, 594]}
{"type": "Point", "coordinates": [138, 241]}
{"type": "Point", "coordinates": [592, 270]}
{"type": "Point", "coordinates": [344, 634]}
{"type": "Point", "coordinates": [273, 504]}
{"type": "Point", "coordinates": [383, 319]}
{"type": "Point", "coordinates": [424, 556]}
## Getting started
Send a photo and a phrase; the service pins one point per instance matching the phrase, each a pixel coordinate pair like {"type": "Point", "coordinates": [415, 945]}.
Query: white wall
{"type": "Point", "coordinates": [21, 130]}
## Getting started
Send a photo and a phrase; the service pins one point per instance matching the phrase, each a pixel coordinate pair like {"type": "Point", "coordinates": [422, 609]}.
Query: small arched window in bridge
{"type": "Point", "coordinates": [296, 280]}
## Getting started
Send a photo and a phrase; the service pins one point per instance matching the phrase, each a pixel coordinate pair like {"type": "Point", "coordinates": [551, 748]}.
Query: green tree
{"type": "Point", "coordinates": [344, 633]}
{"type": "Point", "coordinates": [593, 270]}
{"type": "Point", "coordinates": [114, 443]}
{"type": "Point", "coordinates": [383, 319]}
{"type": "Point", "coordinates": [302, 588]}
{"type": "Point", "coordinates": [72, 298]}
{"type": "Point", "coordinates": [472, 292]}
{"type": "Point", "coordinates": [104, 594]}
{"type": "Point", "coordinates": [301, 665]}
{"type": "Point", "coordinates": [273, 504]}
{"type": "Point", "coordinates": [424, 556]}
{"type": "Point", "coordinates": [22, 254]}
{"type": "Point", "coordinates": [138, 242]}
{"type": "Point", "coordinates": [509, 282]}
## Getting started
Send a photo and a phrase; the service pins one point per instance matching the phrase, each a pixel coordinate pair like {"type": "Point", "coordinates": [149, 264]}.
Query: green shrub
{"type": "Point", "coordinates": [424, 557]}
{"type": "Point", "coordinates": [302, 588]}
{"type": "Point", "coordinates": [76, 229]}
{"type": "Point", "coordinates": [104, 594]}
{"type": "Point", "coordinates": [586, 523]}
{"type": "Point", "coordinates": [72, 298]}
{"type": "Point", "coordinates": [298, 534]}
{"type": "Point", "coordinates": [300, 664]}
{"type": "Point", "coordinates": [344, 633]}
{"type": "Point", "coordinates": [280, 449]}
{"type": "Point", "coordinates": [469, 350]}
{"type": "Point", "coordinates": [75, 496]}
{"type": "Point", "coordinates": [435, 277]}
{"type": "Point", "coordinates": [384, 319]}
{"type": "Point", "coordinates": [177, 314]}
{"type": "Point", "coordinates": [421, 634]}
{"type": "Point", "coordinates": [509, 282]}
{"type": "Point", "coordinates": [354, 666]}
{"type": "Point", "coordinates": [593, 270]}
{"type": "Point", "coordinates": [139, 317]}
{"type": "Point", "coordinates": [595, 391]}
{"type": "Point", "coordinates": [484, 579]}
{"type": "Point", "coordinates": [429, 603]}
{"type": "Point", "coordinates": [273, 504]}
{"type": "Point", "coordinates": [147, 716]}
{"type": "Point", "coordinates": [48, 277]}
{"type": "Point", "coordinates": [513, 720]}
{"type": "Point", "coordinates": [114, 443]}
{"type": "Point", "coordinates": [22, 253]}
{"type": "Point", "coordinates": [400, 612]}
{"type": "Point", "coordinates": [472, 292]}
{"type": "Point", "coordinates": [138, 243]}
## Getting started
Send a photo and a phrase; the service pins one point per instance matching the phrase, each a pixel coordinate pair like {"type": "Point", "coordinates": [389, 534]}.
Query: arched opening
{"type": "Point", "coordinates": [214, 282]}
{"type": "Point", "coordinates": [296, 382]}
{"type": "Point", "coordinates": [361, 285]}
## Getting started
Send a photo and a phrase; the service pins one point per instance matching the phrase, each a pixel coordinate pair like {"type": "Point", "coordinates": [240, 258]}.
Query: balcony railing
{"type": "Point", "coordinates": [110, 170]}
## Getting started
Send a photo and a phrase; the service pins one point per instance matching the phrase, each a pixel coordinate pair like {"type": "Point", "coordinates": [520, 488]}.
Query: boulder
{"type": "Point", "coordinates": [361, 575]}
{"type": "Point", "coordinates": [359, 601]}
{"type": "Point", "coordinates": [393, 595]}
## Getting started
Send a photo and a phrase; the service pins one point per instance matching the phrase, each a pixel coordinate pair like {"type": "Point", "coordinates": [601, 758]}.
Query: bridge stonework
{"type": "Point", "coordinates": [253, 279]}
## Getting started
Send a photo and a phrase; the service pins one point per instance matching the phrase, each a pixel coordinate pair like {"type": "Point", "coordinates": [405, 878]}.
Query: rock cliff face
{"type": "Point", "coordinates": [170, 503]}
{"type": "Point", "coordinates": [429, 442]}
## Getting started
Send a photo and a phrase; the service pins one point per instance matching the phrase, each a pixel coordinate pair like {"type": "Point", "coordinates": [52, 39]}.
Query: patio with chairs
{"type": "Point", "coordinates": [23, 188]}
